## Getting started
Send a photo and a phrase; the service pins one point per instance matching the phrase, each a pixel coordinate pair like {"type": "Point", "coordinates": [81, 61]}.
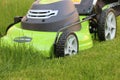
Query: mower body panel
{"type": "Point", "coordinates": [43, 42]}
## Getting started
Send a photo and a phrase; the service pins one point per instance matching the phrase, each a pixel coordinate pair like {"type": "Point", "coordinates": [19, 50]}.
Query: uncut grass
{"type": "Point", "coordinates": [9, 9]}
{"type": "Point", "coordinates": [98, 63]}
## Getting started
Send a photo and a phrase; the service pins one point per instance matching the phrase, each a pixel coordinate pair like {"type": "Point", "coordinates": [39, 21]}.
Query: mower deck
{"type": "Point", "coordinates": [43, 42]}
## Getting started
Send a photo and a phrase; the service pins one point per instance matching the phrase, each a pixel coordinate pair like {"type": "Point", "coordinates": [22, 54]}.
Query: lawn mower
{"type": "Point", "coordinates": [64, 27]}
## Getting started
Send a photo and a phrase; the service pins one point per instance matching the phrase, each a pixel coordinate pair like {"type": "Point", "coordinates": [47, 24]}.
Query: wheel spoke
{"type": "Point", "coordinates": [110, 27]}
{"type": "Point", "coordinates": [111, 15]}
{"type": "Point", "coordinates": [107, 30]}
{"type": "Point", "coordinates": [74, 51]}
{"type": "Point", "coordinates": [72, 40]}
{"type": "Point", "coordinates": [111, 34]}
{"type": "Point", "coordinates": [108, 24]}
{"type": "Point", "coordinates": [106, 33]}
{"type": "Point", "coordinates": [113, 26]}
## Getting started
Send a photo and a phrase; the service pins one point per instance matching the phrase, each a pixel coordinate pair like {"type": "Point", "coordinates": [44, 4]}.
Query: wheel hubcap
{"type": "Point", "coordinates": [71, 45]}
{"type": "Point", "coordinates": [110, 28]}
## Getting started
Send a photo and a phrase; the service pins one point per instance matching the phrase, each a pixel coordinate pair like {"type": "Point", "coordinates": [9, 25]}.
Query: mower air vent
{"type": "Point", "coordinates": [41, 14]}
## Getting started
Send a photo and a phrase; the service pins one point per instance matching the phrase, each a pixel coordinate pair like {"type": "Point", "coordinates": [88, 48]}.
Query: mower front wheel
{"type": "Point", "coordinates": [67, 45]}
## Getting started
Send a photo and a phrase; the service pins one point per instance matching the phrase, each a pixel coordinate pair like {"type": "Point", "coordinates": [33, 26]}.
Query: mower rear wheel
{"type": "Point", "coordinates": [67, 45]}
{"type": "Point", "coordinates": [107, 25]}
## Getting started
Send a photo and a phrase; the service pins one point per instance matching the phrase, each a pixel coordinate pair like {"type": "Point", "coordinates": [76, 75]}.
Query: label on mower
{"type": "Point", "coordinates": [76, 1]}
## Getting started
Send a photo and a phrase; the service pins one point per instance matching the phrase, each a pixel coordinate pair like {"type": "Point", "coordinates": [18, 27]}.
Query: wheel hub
{"type": "Point", "coordinates": [71, 45]}
{"type": "Point", "coordinates": [110, 28]}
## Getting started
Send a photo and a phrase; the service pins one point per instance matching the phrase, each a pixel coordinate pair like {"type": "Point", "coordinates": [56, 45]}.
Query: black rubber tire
{"type": "Point", "coordinates": [102, 24]}
{"type": "Point", "coordinates": [59, 50]}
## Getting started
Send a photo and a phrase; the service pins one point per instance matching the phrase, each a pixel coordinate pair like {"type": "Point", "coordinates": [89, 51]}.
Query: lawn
{"type": "Point", "coordinates": [101, 62]}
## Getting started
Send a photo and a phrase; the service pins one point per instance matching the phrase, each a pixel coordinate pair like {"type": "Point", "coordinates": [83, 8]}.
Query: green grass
{"type": "Point", "coordinates": [102, 62]}
{"type": "Point", "coordinates": [11, 8]}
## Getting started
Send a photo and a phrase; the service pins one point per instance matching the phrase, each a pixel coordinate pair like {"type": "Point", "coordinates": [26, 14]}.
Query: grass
{"type": "Point", "coordinates": [102, 62]}
{"type": "Point", "coordinates": [9, 9]}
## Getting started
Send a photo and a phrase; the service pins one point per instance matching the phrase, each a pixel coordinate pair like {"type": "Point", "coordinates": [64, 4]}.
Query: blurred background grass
{"type": "Point", "coordinates": [11, 8]}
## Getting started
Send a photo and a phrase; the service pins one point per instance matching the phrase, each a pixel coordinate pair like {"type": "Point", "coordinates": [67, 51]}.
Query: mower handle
{"type": "Point", "coordinates": [73, 24]}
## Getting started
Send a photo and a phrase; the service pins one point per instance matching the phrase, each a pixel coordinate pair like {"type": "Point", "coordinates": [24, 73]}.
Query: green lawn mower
{"type": "Point", "coordinates": [64, 27]}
